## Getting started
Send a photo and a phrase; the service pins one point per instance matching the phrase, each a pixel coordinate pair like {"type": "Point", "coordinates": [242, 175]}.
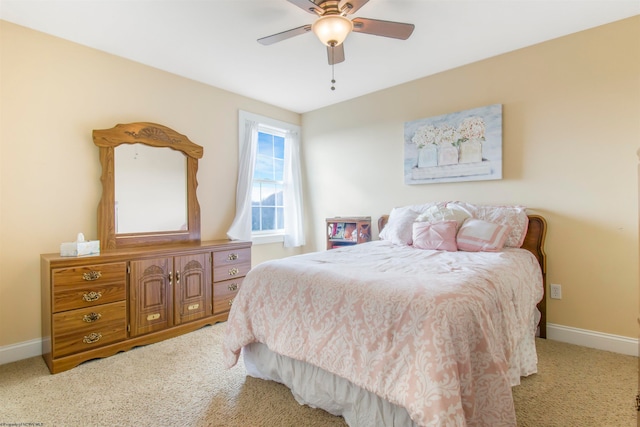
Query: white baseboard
{"type": "Point", "coordinates": [593, 339]}
{"type": "Point", "coordinates": [22, 350]}
{"type": "Point", "coordinates": [583, 337]}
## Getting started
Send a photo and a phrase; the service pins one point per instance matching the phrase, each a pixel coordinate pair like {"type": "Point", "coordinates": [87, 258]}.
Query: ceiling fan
{"type": "Point", "coordinates": [332, 27]}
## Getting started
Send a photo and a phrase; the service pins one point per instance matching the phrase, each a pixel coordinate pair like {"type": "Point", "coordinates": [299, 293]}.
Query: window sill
{"type": "Point", "coordinates": [267, 238]}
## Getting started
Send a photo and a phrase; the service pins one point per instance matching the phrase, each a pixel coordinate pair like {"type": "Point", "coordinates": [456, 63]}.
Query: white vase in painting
{"type": "Point", "coordinates": [447, 155]}
{"type": "Point", "coordinates": [428, 156]}
{"type": "Point", "coordinates": [470, 151]}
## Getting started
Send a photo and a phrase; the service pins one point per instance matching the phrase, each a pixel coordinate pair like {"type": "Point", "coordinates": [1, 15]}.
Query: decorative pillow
{"type": "Point", "coordinates": [514, 217]}
{"type": "Point", "coordinates": [422, 208]}
{"type": "Point", "coordinates": [435, 235]}
{"type": "Point", "coordinates": [445, 213]}
{"type": "Point", "coordinates": [477, 235]}
{"type": "Point", "coordinates": [399, 227]}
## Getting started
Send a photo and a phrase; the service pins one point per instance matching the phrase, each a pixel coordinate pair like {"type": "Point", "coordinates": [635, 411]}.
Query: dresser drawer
{"type": "Point", "coordinates": [89, 274]}
{"type": "Point", "coordinates": [232, 257]}
{"type": "Point", "coordinates": [224, 293]}
{"type": "Point", "coordinates": [86, 328]}
{"type": "Point", "coordinates": [88, 295]}
{"type": "Point", "coordinates": [86, 286]}
{"type": "Point", "coordinates": [230, 270]}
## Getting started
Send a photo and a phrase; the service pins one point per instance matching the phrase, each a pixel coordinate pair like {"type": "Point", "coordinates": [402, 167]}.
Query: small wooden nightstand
{"type": "Point", "coordinates": [347, 231]}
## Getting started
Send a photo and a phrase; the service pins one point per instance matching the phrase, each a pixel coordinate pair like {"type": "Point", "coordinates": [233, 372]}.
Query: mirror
{"type": "Point", "coordinates": [150, 189]}
{"type": "Point", "coordinates": [148, 186]}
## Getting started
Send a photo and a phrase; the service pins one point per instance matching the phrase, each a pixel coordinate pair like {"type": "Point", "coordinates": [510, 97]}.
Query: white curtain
{"type": "Point", "coordinates": [241, 226]}
{"type": "Point", "coordinates": [293, 217]}
{"type": "Point", "coordinates": [292, 192]}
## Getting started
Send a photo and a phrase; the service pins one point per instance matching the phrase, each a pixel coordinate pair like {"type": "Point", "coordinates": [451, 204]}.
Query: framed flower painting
{"type": "Point", "coordinates": [462, 146]}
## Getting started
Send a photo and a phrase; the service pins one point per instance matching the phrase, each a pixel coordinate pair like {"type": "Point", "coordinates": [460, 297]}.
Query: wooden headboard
{"type": "Point", "coordinates": [534, 243]}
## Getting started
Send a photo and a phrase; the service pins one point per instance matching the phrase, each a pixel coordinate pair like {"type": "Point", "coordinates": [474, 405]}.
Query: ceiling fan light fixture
{"type": "Point", "coordinates": [332, 30]}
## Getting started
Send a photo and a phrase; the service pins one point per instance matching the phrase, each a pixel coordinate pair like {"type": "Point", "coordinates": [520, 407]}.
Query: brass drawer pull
{"type": "Point", "coordinates": [91, 338]}
{"type": "Point", "coordinates": [92, 296]}
{"type": "Point", "coordinates": [233, 271]}
{"type": "Point", "coordinates": [232, 257]}
{"type": "Point", "coordinates": [92, 275]}
{"type": "Point", "coordinates": [91, 317]}
{"type": "Point", "coordinates": [233, 287]}
{"type": "Point", "coordinates": [230, 302]}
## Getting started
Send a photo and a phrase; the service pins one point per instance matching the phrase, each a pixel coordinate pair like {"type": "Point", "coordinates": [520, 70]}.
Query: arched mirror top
{"type": "Point", "coordinates": [151, 135]}
{"type": "Point", "coordinates": [146, 133]}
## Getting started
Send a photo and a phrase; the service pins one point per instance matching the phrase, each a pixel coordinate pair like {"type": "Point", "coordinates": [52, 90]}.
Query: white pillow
{"type": "Point", "coordinates": [423, 207]}
{"type": "Point", "coordinates": [399, 228]}
{"type": "Point", "coordinates": [445, 213]}
{"type": "Point", "coordinates": [477, 235]}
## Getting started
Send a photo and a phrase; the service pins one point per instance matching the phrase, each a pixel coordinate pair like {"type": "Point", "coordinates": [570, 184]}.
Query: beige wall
{"type": "Point", "coordinates": [571, 128]}
{"type": "Point", "coordinates": [53, 93]}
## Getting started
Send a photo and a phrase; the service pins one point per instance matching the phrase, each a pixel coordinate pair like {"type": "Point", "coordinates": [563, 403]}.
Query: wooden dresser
{"type": "Point", "coordinates": [96, 306]}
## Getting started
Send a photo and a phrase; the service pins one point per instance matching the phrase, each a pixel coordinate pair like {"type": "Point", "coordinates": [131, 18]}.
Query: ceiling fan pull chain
{"type": "Point", "coordinates": [333, 76]}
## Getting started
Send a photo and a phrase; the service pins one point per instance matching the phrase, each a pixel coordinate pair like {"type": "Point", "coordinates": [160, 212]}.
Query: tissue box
{"type": "Point", "coordinates": [90, 247]}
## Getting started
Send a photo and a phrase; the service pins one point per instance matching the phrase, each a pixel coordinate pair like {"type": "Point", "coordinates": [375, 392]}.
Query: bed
{"type": "Point", "coordinates": [384, 333]}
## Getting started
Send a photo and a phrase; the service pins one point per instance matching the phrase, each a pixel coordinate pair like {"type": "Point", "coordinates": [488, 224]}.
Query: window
{"type": "Point", "coordinates": [267, 204]}
{"type": "Point", "coordinates": [269, 196]}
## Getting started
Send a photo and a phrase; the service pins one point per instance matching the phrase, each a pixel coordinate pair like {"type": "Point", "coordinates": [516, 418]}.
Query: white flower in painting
{"type": "Point", "coordinates": [425, 135]}
{"type": "Point", "coordinates": [447, 135]}
{"type": "Point", "coordinates": [472, 128]}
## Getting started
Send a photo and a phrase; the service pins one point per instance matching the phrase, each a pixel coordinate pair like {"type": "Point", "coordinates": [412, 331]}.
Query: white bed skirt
{"type": "Point", "coordinates": [318, 388]}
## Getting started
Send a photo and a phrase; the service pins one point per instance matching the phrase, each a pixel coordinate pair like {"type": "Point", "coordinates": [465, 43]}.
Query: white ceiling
{"type": "Point", "coordinates": [214, 41]}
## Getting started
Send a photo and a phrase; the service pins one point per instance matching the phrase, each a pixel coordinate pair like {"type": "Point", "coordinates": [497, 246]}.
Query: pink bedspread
{"type": "Point", "coordinates": [443, 334]}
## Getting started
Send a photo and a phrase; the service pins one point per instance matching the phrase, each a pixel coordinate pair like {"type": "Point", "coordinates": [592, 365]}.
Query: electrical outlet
{"type": "Point", "coordinates": [556, 291]}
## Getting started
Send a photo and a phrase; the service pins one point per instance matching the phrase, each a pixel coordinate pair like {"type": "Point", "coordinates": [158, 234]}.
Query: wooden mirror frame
{"type": "Point", "coordinates": [156, 136]}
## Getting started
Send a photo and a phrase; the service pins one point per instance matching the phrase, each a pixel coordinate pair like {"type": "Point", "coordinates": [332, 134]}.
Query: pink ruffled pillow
{"type": "Point", "coordinates": [477, 235]}
{"type": "Point", "coordinates": [435, 235]}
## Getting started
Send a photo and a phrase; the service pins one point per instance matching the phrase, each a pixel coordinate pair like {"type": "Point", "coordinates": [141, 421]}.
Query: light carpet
{"type": "Point", "coordinates": [182, 382]}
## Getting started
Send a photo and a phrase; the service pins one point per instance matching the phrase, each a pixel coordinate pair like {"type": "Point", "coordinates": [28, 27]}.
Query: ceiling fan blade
{"type": "Point", "coordinates": [396, 30]}
{"type": "Point", "coordinates": [335, 54]}
{"type": "Point", "coordinates": [274, 38]}
{"type": "Point", "coordinates": [307, 6]}
{"type": "Point", "coordinates": [351, 6]}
